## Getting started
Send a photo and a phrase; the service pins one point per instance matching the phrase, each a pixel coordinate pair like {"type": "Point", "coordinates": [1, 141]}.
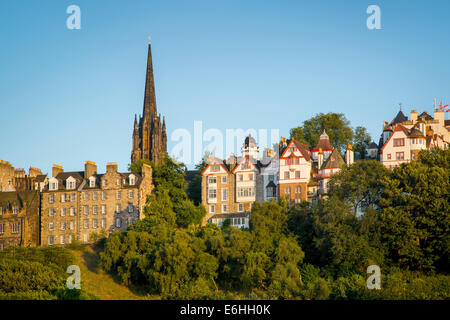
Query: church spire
{"type": "Point", "coordinates": [149, 97]}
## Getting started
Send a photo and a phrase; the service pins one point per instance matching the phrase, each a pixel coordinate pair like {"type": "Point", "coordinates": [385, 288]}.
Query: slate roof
{"type": "Point", "coordinates": [40, 177]}
{"type": "Point", "coordinates": [334, 161]}
{"type": "Point", "coordinates": [415, 133]}
{"type": "Point", "coordinates": [400, 117]}
{"type": "Point", "coordinates": [424, 115]}
{"type": "Point", "coordinates": [373, 145]}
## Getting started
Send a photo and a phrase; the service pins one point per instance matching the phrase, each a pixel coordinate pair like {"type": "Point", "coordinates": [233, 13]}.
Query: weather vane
{"type": "Point", "coordinates": [400, 104]}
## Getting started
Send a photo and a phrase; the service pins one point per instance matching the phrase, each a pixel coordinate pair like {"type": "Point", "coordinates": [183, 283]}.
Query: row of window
{"type": "Point", "coordinates": [14, 211]}
{"type": "Point", "coordinates": [15, 227]}
{"type": "Point", "coordinates": [64, 226]}
{"type": "Point", "coordinates": [71, 183]}
{"type": "Point", "coordinates": [65, 198]}
{"type": "Point", "coordinates": [251, 177]}
{"type": "Point", "coordinates": [212, 208]}
{"type": "Point", "coordinates": [246, 192]}
{"type": "Point", "coordinates": [288, 175]}
{"type": "Point", "coordinates": [212, 194]}
{"type": "Point", "coordinates": [213, 179]}
{"type": "Point", "coordinates": [93, 223]}
{"type": "Point", "coordinates": [95, 210]}
{"type": "Point", "coordinates": [398, 156]}
{"type": "Point", "coordinates": [287, 190]}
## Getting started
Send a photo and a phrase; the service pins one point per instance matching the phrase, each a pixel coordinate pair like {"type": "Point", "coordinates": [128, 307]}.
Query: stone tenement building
{"type": "Point", "coordinates": [149, 136]}
{"type": "Point", "coordinates": [19, 218]}
{"type": "Point", "coordinates": [76, 204]}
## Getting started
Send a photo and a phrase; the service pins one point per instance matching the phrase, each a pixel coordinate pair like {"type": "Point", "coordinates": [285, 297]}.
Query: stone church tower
{"type": "Point", "coordinates": [149, 135]}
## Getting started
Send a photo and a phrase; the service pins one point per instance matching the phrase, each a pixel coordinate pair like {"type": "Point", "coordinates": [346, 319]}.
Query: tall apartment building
{"type": "Point", "coordinates": [76, 204]}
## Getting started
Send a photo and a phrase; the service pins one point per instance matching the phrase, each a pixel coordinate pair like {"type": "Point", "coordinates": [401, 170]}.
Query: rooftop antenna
{"type": "Point", "coordinates": [434, 103]}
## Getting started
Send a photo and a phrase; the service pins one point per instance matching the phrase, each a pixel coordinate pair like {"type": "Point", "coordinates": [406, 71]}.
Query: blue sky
{"type": "Point", "coordinates": [67, 96]}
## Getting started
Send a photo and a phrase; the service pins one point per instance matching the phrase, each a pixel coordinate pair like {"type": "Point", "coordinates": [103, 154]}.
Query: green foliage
{"type": "Point", "coordinates": [194, 189]}
{"type": "Point", "coordinates": [310, 251]}
{"type": "Point", "coordinates": [360, 184]}
{"type": "Point", "coordinates": [136, 167]}
{"type": "Point", "coordinates": [361, 141]}
{"type": "Point", "coordinates": [37, 274]}
{"type": "Point", "coordinates": [336, 125]}
{"type": "Point", "coordinates": [415, 215]}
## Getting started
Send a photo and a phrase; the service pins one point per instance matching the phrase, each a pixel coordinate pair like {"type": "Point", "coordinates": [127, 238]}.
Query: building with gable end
{"type": "Point", "coordinates": [402, 139]}
{"type": "Point", "coordinates": [294, 171]}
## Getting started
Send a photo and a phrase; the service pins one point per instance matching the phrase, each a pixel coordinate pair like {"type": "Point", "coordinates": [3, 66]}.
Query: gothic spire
{"type": "Point", "coordinates": [149, 97]}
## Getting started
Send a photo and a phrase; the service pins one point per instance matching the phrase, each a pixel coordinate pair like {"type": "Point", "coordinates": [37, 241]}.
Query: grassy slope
{"type": "Point", "coordinates": [96, 281]}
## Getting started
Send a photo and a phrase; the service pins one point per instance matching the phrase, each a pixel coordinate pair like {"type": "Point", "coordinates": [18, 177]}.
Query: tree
{"type": "Point", "coordinates": [336, 125]}
{"type": "Point", "coordinates": [359, 184]}
{"type": "Point", "coordinates": [361, 141]}
{"type": "Point", "coordinates": [416, 211]}
{"type": "Point", "coordinates": [194, 189]}
{"type": "Point", "coordinates": [136, 167]}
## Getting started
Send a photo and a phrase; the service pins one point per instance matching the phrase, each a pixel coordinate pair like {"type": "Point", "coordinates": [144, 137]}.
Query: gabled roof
{"type": "Point", "coordinates": [334, 161]}
{"type": "Point", "coordinates": [216, 161]}
{"type": "Point", "coordinates": [373, 145]}
{"type": "Point", "coordinates": [303, 148]}
{"type": "Point", "coordinates": [400, 117]}
{"type": "Point", "coordinates": [256, 166]}
{"type": "Point", "coordinates": [424, 115]}
{"type": "Point", "coordinates": [397, 128]}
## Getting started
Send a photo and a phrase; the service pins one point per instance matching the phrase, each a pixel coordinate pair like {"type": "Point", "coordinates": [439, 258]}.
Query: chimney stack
{"type": "Point", "coordinates": [34, 172]}
{"type": "Point", "coordinates": [90, 169]}
{"type": "Point", "coordinates": [56, 170]}
{"type": "Point", "coordinates": [414, 115]}
{"type": "Point", "coordinates": [350, 156]}
{"type": "Point", "coordinates": [111, 167]}
{"type": "Point", "coordinates": [147, 170]}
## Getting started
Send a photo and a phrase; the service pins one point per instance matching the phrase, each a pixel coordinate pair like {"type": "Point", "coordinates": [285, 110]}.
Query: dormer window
{"type": "Point", "coordinates": [53, 184]}
{"type": "Point", "coordinates": [92, 182]}
{"type": "Point", "coordinates": [132, 179]}
{"type": "Point", "coordinates": [70, 183]}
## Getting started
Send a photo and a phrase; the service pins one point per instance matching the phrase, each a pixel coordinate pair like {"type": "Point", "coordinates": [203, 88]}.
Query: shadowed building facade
{"type": "Point", "coordinates": [149, 134]}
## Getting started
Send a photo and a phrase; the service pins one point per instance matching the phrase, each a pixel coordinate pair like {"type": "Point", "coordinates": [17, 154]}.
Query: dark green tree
{"type": "Point", "coordinates": [361, 141]}
{"type": "Point", "coordinates": [336, 125]}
